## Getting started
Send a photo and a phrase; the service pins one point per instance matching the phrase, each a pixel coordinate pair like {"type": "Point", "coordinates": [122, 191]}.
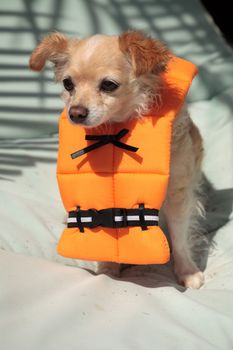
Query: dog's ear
{"type": "Point", "coordinates": [53, 48]}
{"type": "Point", "coordinates": [146, 54]}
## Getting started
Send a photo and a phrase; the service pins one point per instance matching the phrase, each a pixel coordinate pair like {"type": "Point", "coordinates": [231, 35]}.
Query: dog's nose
{"type": "Point", "coordinates": [78, 113]}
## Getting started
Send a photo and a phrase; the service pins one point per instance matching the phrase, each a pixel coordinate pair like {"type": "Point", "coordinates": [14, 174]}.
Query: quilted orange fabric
{"type": "Point", "coordinates": [110, 177]}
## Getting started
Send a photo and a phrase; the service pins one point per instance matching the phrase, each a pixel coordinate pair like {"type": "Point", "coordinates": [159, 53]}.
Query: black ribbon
{"type": "Point", "coordinates": [104, 140]}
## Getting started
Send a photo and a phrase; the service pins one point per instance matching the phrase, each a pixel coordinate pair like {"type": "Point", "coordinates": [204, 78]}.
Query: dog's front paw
{"type": "Point", "coordinates": [109, 268]}
{"type": "Point", "coordinates": [191, 280]}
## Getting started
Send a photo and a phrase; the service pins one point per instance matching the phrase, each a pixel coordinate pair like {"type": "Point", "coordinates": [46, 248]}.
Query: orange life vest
{"type": "Point", "coordinates": [113, 194]}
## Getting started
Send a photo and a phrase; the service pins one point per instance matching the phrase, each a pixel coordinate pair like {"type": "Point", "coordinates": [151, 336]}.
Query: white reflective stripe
{"type": "Point", "coordinates": [71, 220]}
{"type": "Point", "coordinates": [129, 218]}
{"type": "Point", "coordinates": [83, 219]}
{"type": "Point", "coordinates": [151, 217]}
{"type": "Point", "coordinates": [136, 218]}
{"type": "Point", "coordinates": [117, 218]}
{"type": "Point", "coordinates": [86, 219]}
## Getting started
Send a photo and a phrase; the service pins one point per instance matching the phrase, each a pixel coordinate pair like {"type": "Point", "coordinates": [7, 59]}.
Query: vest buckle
{"type": "Point", "coordinates": [113, 217]}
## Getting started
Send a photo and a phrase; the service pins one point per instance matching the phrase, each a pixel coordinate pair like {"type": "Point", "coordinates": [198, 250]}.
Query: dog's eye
{"type": "Point", "coordinates": [68, 84]}
{"type": "Point", "coordinates": [108, 85]}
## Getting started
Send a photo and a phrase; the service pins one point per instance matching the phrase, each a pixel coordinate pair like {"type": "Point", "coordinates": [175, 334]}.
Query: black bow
{"type": "Point", "coordinates": [104, 140]}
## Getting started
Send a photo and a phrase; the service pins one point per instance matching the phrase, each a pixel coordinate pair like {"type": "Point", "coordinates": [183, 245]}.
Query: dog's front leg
{"type": "Point", "coordinates": [180, 210]}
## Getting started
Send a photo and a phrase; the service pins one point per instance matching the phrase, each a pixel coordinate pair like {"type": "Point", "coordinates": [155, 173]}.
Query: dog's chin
{"type": "Point", "coordinates": [93, 122]}
{"type": "Point", "coordinates": [89, 123]}
{"type": "Point", "coordinates": [86, 123]}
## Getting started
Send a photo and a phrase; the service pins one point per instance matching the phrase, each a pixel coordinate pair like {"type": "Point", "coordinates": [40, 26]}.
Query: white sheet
{"type": "Point", "coordinates": [51, 306]}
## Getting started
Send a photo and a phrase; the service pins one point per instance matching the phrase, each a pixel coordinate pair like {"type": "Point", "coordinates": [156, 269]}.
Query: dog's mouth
{"type": "Point", "coordinates": [86, 122]}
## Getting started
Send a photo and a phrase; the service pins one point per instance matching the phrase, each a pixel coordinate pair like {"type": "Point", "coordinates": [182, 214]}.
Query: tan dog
{"type": "Point", "coordinates": [109, 79]}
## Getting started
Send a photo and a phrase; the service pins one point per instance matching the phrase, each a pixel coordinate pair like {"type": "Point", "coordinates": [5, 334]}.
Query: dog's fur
{"type": "Point", "coordinates": [133, 61]}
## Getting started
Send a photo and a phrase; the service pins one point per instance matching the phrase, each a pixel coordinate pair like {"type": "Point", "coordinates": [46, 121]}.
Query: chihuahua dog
{"type": "Point", "coordinates": [108, 79]}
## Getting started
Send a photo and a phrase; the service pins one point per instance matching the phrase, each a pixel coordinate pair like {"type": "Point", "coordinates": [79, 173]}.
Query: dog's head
{"type": "Point", "coordinates": [105, 78]}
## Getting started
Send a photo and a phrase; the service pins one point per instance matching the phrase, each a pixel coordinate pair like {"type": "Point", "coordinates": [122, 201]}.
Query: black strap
{"type": "Point", "coordinates": [78, 218]}
{"type": "Point", "coordinates": [104, 140]}
{"type": "Point", "coordinates": [141, 216]}
{"type": "Point", "coordinates": [113, 217]}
